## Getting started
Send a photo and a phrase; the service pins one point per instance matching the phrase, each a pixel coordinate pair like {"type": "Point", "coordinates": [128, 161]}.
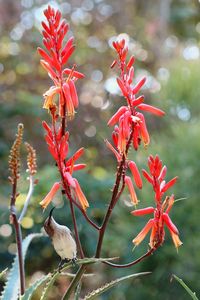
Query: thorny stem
{"type": "Point", "coordinates": [18, 236]}
{"type": "Point", "coordinates": [148, 253]}
{"type": "Point", "coordinates": [28, 198]}
{"type": "Point", "coordinates": [115, 196]}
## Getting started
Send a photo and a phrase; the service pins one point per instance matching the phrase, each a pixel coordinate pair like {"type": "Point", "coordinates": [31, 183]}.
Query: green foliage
{"type": "Point", "coordinates": [32, 288]}
{"type": "Point", "coordinates": [188, 290]}
{"type": "Point", "coordinates": [92, 295]}
{"type": "Point", "coordinates": [56, 274]}
{"type": "Point", "coordinates": [11, 288]}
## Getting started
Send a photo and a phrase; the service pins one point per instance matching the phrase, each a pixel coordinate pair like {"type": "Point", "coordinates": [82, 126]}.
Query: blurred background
{"type": "Point", "coordinates": [164, 37]}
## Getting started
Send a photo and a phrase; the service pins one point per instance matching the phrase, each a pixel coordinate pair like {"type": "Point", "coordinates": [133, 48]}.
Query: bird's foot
{"type": "Point", "coordinates": [62, 262]}
{"type": "Point", "coordinates": [74, 264]}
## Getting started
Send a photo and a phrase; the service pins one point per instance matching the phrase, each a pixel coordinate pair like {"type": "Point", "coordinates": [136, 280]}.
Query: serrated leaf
{"type": "Point", "coordinates": [3, 272]}
{"type": "Point", "coordinates": [107, 286]}
{"type": "Point", "coordinates": [29, 292]}
{"type": "Point", "coordinates": [77, 291]}
{"type": "Point", "coordinates": [68, 265]}
{"type": "Point", "coordinates": [188, 290]}
{"type": "Point", "coordinates": [11, 288]}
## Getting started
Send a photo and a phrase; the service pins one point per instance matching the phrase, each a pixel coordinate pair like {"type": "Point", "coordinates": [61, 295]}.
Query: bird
{"type": "Point", "coordinates": [62, 240]}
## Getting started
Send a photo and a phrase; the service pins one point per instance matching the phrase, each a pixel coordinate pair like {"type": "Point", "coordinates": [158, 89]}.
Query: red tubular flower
{"type": "Point", "coordinates": [143, 211]}
{"type": "Point", "coordinates": [142, 234]}
{"type": "Point", "coordinates": [49, 197]}
{"type": "Point", "coordinates": [143, 130]}
{"type": "Point", "coordinates": [118, 157]}
{"type": "Point", "coordinates": [169, 184]}
{"type": "Point", "coordinates": [151, 109]}
{"type": "Point", "coordinates": [135, 173]}
{"type": "Point", "coordinates": [117, 115]}
{"type": "Point", "coordinates": [80, 195]}
{"type": "Point", "coordinates": [130, 186]}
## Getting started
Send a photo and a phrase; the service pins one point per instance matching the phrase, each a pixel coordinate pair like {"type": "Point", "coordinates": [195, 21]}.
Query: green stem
{"type": "Point", "coordinates": [189, 291]}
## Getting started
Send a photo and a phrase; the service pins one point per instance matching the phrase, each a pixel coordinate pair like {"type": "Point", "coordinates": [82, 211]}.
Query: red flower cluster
{"type": "Point", "coordinates": [130, 125]}
{"type": "Point", "coordinates": [162, 209]}
{"type": "Point", "coordinates": [58, 146]}
{"type": "Point", "coordinates": [54, 58]}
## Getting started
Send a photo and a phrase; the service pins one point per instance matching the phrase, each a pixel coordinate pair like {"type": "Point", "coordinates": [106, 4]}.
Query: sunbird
{"type": "Point", "coordinates": [62, 240]}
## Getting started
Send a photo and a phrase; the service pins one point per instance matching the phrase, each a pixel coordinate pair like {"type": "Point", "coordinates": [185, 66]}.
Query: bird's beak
{"type": "Point", "coordinates": [51, 212]}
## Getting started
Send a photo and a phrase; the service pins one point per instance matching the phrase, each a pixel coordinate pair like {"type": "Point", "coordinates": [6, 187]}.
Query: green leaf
{"type": "Point", "coordinates": [188, 290]}
{"type": "Point", "coordinates": [11, 288]}
{"type": "Point", "coordinates": [29, 292]}
{"type": "Point", "coordinates": [3, 272]}
{"type": "Point", "coordinates": [77, 292]}
{"type": "Point", "coordinates": [68, 265]}
{"type": "Point", "coordinates": [107, 286]}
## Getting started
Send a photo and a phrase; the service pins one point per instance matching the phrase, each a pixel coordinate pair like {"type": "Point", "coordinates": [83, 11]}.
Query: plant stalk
{"type": "Point", "coordinates": [18, 237]}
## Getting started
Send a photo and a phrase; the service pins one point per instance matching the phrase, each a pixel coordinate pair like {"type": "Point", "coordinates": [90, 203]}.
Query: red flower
{"type": "Point", "coordinates": [156, 225]}
{"type": "Point", "coordinates": [53, 60]}
{"type": "Point", "coordinates": [59, 147]}
{"type": "Point", "coordinates": [132, 192]}
{"type": "Point", "coordinates": [161, 211]}
{"type": "Point", "coordinates": [49, 197]}
{"type": "Point", "coordinates": [131, 122]}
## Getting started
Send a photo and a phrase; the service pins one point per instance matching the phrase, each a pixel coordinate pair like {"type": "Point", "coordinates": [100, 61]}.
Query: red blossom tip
{"type": "Point", "coordinates": [115, 118]}
{"type": "Point", "coordinates": [147, 176]}
{"type": "Point", "coordinates": [169, 223]}
{"type": "Point", "coordinates": [169, 184]}
{"type": "Point", "coordinates": [130, 186]}
{"type": "Point", "coordinates": [136, 175]}
{"type": "Point", "coordinates": [143, 211]}
{"type": "Point", "coordinates": [154, 110]}
{"type": "Point", "coordinates": [138, 86]}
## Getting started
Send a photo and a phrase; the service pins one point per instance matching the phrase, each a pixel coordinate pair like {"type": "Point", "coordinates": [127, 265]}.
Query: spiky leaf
{"type": "Point", "coordinates": [32, 288]}
{"type": "Point", "coordinates": [107, 286]}
{"type": "Point", "coordinates": [188, 290]}
{"type": "Point", "coordinates": [11, 288]}
{"type": "Point", "coordinates": [3, 272]}
{"type": "Point", "coordinates": [68, 265]}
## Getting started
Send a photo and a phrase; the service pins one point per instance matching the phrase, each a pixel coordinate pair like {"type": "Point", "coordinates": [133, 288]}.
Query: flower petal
{"type": "Point", "coordinates": [177, 242]}
{"type": "Point", "coordinates": [140, 237]}
{"type": "Point", "coordinates": [49, 197]}
{"type": "Point", "coordinates": [143, 211]}
{"type": "Point", "coordinates": [136, 175]}
{"type": "Point", "coordinates": [81, 197]}
{"type": "Point", "coordinates": [169, 223]}
{"type": "Point", "coordinates": [130, 186]}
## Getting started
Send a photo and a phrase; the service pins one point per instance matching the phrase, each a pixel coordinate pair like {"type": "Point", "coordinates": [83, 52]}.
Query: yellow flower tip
{"type": "Point", "coordinates": [136, 241]}
{"type": "Point", "coordinates": [49, 95]}
{"type": "Point", "coordinates": [177, 242]}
